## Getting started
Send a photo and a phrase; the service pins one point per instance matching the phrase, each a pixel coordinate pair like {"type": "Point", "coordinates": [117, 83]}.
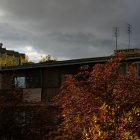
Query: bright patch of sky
{"type": "Point", "coordinates": [2, 13]}
{"type": "Point", "coordinates": [33, 55]}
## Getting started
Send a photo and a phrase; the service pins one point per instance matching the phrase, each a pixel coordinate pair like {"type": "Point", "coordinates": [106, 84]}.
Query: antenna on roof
{"type": "Point", "coordinates": [129, 33]}
{"type": "Point", "coordinates": [116, 34]}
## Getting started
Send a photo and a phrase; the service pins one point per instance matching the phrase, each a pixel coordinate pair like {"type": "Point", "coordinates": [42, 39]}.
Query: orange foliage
{"type": "Point", "coordinates": [101, 104]}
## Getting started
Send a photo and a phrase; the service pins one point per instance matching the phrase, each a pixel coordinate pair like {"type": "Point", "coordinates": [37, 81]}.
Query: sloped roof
{"type": "Point", "coordinates": [83, 61]}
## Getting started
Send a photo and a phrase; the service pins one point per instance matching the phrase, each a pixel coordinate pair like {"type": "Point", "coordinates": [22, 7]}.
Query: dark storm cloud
{"type": "Point", "coordinates": [69, 28]}
{"type": "Point", "coordinates": [78, 37]}
{"type": "Point", "coordinates": [9, 33]}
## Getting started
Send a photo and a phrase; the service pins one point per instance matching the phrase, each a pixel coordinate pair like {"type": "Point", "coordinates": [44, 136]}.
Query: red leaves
{"type": "Point", "coordinates": [95, 102]}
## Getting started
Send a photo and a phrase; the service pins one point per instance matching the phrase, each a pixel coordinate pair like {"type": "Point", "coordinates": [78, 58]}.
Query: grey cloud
{"type": "Point", "coordinates": [8, 32]}
{"type": "Point", "coordinates": [78, 37]}
{"type": "Point", "coordinates": [69, 28]}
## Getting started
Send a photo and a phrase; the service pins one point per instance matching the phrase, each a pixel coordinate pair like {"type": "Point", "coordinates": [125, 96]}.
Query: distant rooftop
{"type": "Point", "coordinates": [132, 51]}
{"type": "Point", "coordinates": [10, 52]}
{"type": "Point", "coordinates": [87, 61]}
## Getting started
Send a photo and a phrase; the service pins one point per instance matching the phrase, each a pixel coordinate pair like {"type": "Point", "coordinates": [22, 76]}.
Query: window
{"type": "Point", "coordinates": [52, 79]}
{"type": "Point", "coordinates": [137, 69]}
{"type": "Point", "coordinates": [31, 79]}
{"type": "Point", "coordinates": [20, 82]}
{"type": "Point", "coordinates": [124, 69]}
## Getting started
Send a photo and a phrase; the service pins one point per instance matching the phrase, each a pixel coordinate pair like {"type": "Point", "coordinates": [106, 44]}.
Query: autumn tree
{"type": "Point", "coordinates": [24, 60]}
{"type": "Point", "coordinates": [100, 104]}
{"type": "Point", "coordinates": [47, 58]}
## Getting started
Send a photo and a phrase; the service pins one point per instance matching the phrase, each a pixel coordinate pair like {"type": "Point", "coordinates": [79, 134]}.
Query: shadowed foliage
{"type": "Point", "coordinates": [20, 120]}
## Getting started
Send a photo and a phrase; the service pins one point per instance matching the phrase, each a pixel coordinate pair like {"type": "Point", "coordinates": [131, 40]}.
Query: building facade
{"type": "Point", "coordinates": [42, 81]}
{"type": "Point", "coordinates": [10, 57]}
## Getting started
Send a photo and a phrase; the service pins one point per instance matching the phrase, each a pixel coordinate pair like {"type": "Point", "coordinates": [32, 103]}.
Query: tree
{"type": "Point", "coordinates": [100, 104]}
{"type": "Point", "coordinates": [47, 58]}
{"type": "Point", "coordinates": [24, 60]}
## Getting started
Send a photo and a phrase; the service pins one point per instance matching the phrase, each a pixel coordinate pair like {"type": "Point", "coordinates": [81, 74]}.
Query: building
{"type": "Point", "coordinates": [42, 81]}
{"type": "Point", "coordinates": [10, 57]}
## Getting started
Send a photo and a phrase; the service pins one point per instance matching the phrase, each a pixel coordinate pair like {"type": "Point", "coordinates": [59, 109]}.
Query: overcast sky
{"type": "Point", "coordinates": [68, 29]}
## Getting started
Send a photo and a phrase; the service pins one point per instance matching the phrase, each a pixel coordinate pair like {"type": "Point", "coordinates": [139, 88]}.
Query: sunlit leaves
{"type": "Point", "coordinates": [101, 104]}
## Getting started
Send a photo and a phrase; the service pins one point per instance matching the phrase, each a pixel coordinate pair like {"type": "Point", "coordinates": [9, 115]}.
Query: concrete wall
{"type": "Point", "coordinates": [32, 94]}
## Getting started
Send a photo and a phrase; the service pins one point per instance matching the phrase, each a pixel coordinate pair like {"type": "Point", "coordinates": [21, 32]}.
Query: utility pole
{"type": "Point", "coordinates": [116, 34]}
{"type": "Point", "coordinates": [129, 33]}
